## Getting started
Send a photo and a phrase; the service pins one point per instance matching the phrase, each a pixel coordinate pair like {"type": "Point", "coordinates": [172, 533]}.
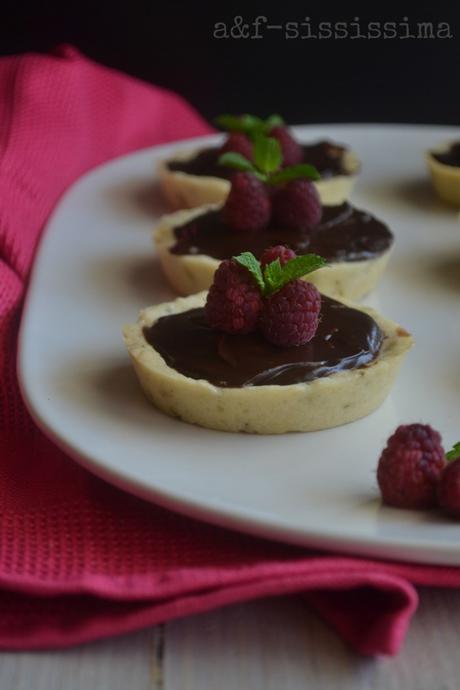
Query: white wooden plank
{"type": "Point", "coordinates": [280, 644]}
{"type": "Point", "coordinates": [126, 663]}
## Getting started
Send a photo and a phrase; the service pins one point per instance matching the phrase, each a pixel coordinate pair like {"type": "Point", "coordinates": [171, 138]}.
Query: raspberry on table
{"type": "Point", "coordinates": [297, 205]}
{"type": "Point", "coordinates": [238, 143]}
{"type": "Point", "coordinates": [248, 205]}
{"type": "Point", "coordinates": [410, 467]}
{"type": "Point", "coordinates": [290, 148]}
{"type": "Point", "coordinates": [234, 301]}
{"type": "Point", "coordinates": [449, 489]}
{"type": "Point", "coordinates": [281, 252]}
{"type": "Point", "coordinates": [290, 316]}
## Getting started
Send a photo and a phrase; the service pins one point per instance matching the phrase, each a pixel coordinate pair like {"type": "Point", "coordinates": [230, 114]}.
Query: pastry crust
{"type": "Point", "coordinates": [446, 178]}
{"type": "Point", "coordinates": [190, 273]}
{"type": "Point", "coordinates": [183, 190]}
{"type": "Point", "coordinates": [323, 403]}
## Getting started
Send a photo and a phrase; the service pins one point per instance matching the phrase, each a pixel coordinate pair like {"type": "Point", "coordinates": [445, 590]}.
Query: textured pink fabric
{"type": "Point", "coordinates": [79, 559]}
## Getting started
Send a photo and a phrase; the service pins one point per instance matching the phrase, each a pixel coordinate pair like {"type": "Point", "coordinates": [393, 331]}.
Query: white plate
{"type": "Point", "coordinates": [96, 269]}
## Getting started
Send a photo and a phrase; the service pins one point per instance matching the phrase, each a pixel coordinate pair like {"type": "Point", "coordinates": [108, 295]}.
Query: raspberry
{"type": "Point", "coordinates": [290, 148]}
{"type": "Point", "coordinates": [449, 489]}
{"type": "Point", "coordinates": [291, 315]}
{"type": "Point", "coordinates": [297, 205]}
{"type": "Point", "coordinates": [238, 143]}
{"type": "Point", "coordinates": [410, 467]}
{"type": "Point", "coordinates": [248, 206]}
{"type": "Point", "coordinates": [234, 301]}
{"type": "Point", "coordinates": [284, 254]}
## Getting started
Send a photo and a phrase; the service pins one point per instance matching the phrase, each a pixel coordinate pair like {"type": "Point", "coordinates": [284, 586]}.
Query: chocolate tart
{"type": "Point", "coordinates": [355, 264]}
{"type": "Point", "coordinates": [444, 166]}
{"type": "Point", "coordinates": [194, 178]}
{"type": "Point", "coordinates": [240, 398]}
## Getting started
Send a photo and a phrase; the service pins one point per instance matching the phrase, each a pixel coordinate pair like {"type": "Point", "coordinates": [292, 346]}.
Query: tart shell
{"type": "Point", "coordinates": [273, 409]}
{"type": "Point", "coordinates": [446, 178]}
{"type": "Point", "coordinates": [183, 190]}
{"type": "Point", "coordinates": [190, 273]}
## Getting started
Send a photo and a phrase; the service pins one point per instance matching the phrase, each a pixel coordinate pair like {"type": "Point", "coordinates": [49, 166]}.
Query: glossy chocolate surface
{"type": "Point", "coordinates": [346, 339]}
{"type": "Point", "coordinates": [325, 156]}
{"type": "Point", "coordinates": [344, 234]}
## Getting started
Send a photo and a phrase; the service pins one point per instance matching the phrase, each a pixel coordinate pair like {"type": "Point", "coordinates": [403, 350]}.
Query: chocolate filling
{"type": "Point", "coordinates": [346, 339]}
{"type": "Point", "coordinates": [344, 234]}
{"type": "Point", "coordinates": [449, 157]}
{"type": "Point", "coordinates": [326, 157]}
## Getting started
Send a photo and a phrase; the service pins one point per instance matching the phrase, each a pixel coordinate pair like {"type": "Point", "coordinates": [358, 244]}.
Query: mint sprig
{"type": "Point", "coordinates": [273, 277]}
{"type": "Point", "coordinates": [232, 159]}
{"type": "Point", "coordinates": [267, 154]}
{"type": "Point", "coordinates": [251, 125]}
{"type": "Point", "coordinates": [294, 172]}
{"type": "Point", "coordinates": [245, 124]}
{"type": "Point", "coordinates": [249, 261]}
{"type": "Point", "coordinates": [267, 163]}
{"type": "Point", "coordinates": [277, 276]}
{"type": "Point", "coordinates": [272, 121]}
{"type": "Point", "coordinates": [454, 453]}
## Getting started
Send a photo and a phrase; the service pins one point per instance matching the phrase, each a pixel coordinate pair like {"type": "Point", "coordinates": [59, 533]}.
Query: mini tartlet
{"type": "Point", "coordinates": [184, 188]}
{"type": "Point", "coordinates": [192, 272]}
{"type": "Point", "coordinates": [324, 402]}
{"type": "Point", "coordinates": [444, 166]}
{"type": "Point", "coordinates": [195, 177]}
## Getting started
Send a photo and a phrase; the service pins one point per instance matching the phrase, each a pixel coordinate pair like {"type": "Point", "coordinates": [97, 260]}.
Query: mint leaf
{"type": "Point", "coordinates": [231, 159]}
{"type": "Point", "coordinates": [249, 261]}
{"type": "Point", "coordinates": [267, 154]}
{"type": "Point", "coordinates": [272, 121]}
{"type": "Point", "coordinates": [295, 172]}
{"type": "Point", "coordinates": [239, 123]}
{"type": "Point", "coordinates": [300, 266]}
{"type": "Point", "coordinates": [248, 124]}
{"type": "Point", "coordinates": [277, 276]}
{"type": "Point", "coordinates": [454, 453]}
{"type": "Point", "coordinates": [272, 274]}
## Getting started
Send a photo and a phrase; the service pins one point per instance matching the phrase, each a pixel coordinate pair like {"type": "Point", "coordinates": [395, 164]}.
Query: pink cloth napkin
{"type": "Point", "coordinates": [80, 559]}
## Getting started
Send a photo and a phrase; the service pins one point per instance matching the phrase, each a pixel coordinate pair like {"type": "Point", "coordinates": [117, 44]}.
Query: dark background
{"type": "Point", "coordinates": [172, 44]}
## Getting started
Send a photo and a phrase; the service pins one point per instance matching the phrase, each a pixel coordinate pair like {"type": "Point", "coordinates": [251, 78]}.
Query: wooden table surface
{"type": "Point", "coordinates": [273, 644]}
